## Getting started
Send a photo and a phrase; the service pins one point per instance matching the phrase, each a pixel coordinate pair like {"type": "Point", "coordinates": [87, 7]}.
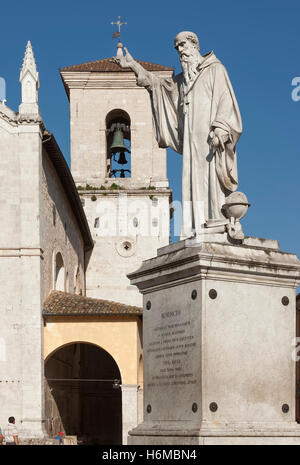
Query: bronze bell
{"type": "Point", "coordinates": [118, 144]}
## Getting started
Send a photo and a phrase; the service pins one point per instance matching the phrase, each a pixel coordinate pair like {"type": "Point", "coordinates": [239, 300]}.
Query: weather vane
{"type": "Point", "coordinates": [116, 34]}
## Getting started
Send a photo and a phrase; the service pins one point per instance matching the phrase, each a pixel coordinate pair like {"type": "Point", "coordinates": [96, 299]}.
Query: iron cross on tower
{"type": "Point", "coordinates": [119, 24]}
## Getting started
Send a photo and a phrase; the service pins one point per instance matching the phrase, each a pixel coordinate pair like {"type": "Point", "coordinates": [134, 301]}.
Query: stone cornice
{"type": "Point", "coordinates": [8, 115]}
{"type": "Point", "coordinates": [21, 252]}
{"type": "Point", "coordinates": [221, 262]}
{"type": "Point", "coordinates": [105, 80]}
{"type": "Point", "coordinates": [30, 118]}
{"type": "Point", "coordinates": [15, 119]}
{"type": "Point", "coordinates": [126, 192]}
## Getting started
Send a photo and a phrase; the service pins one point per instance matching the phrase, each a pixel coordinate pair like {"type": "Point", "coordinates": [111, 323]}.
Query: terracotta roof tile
{"type": "Point", "coordinates": [107, 65]}
{"type": "Point", "coordinates": [65, 304]}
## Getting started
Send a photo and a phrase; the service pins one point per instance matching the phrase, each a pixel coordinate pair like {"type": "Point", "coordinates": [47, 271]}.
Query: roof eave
{"type": "Point", "coordinates": [91, 314]}
{"type": "Point", "coordinates": [65, 85]}
{"type": "Point", "coordinates": [76, 69]}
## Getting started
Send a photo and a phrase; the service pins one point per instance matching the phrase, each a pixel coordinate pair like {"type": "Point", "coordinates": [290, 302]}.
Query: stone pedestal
{"type": "Point", "coordinates": [219, 327]}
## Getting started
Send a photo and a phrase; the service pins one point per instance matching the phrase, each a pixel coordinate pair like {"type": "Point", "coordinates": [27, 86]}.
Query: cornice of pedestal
{"type": "Point", "coordinates": [217, 261]}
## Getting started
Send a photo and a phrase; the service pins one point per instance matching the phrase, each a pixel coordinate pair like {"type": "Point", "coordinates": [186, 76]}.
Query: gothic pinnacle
{"type": "Point", "coordinates": [29, 63]}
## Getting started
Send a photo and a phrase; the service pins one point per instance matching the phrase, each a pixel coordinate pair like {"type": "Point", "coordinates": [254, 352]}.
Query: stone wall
{"type": "Point", "coordinates": [29, 189]}
{"type": "Point", "coordinates": [120, 247]}
{"type": "Point", "coordinates": [59, 233]}
{"type": "Point", "coordinates": [21, 393]}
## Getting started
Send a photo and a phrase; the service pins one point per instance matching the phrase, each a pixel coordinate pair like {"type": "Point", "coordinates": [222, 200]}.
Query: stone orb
{"type": "Point", "coordinates": [236, 205]}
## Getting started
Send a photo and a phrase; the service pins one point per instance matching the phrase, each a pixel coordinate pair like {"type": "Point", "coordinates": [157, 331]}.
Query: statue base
{"type": "Point", "coordinates": [219, 323]}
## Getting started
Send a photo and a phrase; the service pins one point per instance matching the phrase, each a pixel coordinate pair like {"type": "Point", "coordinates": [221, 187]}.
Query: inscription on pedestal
{"type": "Point", "coordinates": [169, 348]}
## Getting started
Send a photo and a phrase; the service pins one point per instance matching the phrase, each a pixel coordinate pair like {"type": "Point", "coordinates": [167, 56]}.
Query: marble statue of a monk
{"type": "Point", "coordinates": [197, 115]}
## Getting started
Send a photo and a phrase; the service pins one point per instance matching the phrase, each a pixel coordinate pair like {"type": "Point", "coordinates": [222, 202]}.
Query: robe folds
{"type": "Point", "coordinates": [184, 114]}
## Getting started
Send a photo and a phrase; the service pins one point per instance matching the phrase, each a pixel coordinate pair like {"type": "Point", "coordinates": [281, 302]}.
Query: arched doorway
{"type": "Point", "coordinates": [83, 396]}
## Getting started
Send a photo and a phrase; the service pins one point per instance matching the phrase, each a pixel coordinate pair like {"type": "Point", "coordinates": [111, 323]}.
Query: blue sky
{"type": "Point", "coordinates": [257, 41]}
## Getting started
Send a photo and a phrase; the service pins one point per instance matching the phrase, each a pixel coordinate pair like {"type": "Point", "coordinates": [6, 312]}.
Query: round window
{"type": "Point", "coordinates": [125, 247]}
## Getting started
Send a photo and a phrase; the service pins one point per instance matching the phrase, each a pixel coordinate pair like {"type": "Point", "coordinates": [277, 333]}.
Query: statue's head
{"type": "Point", "coordinates": [186, 43]}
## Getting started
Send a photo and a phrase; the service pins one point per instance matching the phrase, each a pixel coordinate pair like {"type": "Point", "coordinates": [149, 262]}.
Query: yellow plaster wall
{"type": "Point", "coordinates": [118, 336]}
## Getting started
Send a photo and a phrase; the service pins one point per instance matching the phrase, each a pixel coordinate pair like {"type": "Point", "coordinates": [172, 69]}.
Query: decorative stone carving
{"type": "Point", "coordinates": [30, 83]}
{"type": "Point", "coordinates": [235, 207]}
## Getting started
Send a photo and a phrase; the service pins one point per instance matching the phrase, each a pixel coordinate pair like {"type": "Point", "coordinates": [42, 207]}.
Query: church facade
{"type": "Point", "coordinates": [71, 346]}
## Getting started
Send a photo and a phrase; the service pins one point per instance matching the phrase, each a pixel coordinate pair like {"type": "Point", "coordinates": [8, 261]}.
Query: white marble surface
{"type": "Point", "coordinates": [233, 348]}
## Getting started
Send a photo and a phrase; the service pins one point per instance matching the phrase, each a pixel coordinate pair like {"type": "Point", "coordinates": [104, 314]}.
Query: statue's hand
{"type": "Point", "coordinates": [124, 61]}
{"type": "Point", "coordinates": [218, 138]}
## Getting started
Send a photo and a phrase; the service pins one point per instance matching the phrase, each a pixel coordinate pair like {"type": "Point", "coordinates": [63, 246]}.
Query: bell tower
{"type": "Point", "coordinates": [120, 172]}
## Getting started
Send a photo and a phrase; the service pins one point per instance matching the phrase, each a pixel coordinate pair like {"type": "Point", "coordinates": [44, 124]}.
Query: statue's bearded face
{"type": "Point", "coordinates": [186, 49]}
{"type": "Point", "coordinates": [189, 56]}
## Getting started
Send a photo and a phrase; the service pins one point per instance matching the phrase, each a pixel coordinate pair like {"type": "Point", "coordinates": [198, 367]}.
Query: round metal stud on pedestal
{"type": "Point", "coordinates": [285, 408]}
{"type": "Point", "coordinates": [213, 406]}
{"type": "Point", "coordinates": [213, 294]}
{"type": "Point", "coordinates": [149, 408]}
{"type": "Point", "coordinates": [148, 305]}
{"type": "Point", "coordinates": [194, 407]}
{"type": "Point", "coordinates": [285, 300]}
{"type": "Point", "coordinates": [194, 294]}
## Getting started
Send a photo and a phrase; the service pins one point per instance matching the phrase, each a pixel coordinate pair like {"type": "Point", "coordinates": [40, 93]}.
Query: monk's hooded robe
{"type": "Point", "coordinates": [184, 116]}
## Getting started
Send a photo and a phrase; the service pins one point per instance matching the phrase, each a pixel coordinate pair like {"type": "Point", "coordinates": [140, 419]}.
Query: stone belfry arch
{"type": "Point", "coordinates": [128, 211]}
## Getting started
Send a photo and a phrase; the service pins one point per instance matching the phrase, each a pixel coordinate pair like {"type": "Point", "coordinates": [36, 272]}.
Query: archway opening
{"type": "Point", "coordinates": [83, 396]}
{"type": "Point", "coordinates": [118, 140]}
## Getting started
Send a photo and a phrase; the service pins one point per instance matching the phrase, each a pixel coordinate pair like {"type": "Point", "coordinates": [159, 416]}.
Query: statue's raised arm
{"type": "Point", "coordinates": [144, 77]}
{"type": "Point", "coordinates": [126, 61]}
